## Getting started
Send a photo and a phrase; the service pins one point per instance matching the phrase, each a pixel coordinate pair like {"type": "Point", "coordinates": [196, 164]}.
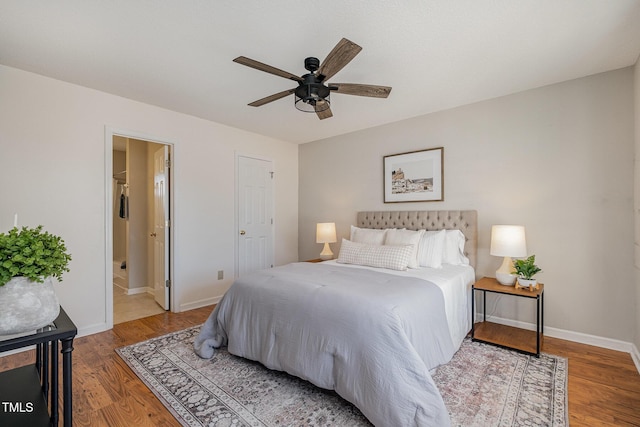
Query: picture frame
{"type": "Point", "coordinates": [414, 176]}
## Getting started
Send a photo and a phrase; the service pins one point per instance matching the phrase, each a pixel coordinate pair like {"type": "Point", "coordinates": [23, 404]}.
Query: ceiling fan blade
{"type": "Point", "coordinates": [324, 114]}
{"type": "Point", "coordinates": [266, 68]}
{"type": "Point", "coordinates": [271, 98]}
{"type": "Point", "coordinates": [340, 56]}
{"type": "Point", "coordinates": [360, 90]}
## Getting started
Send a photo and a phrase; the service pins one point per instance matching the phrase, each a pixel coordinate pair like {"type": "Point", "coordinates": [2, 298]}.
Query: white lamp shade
{"type": "Point", "coordinates": [326, 232]}
{"type": "Point", "coordinates": [508, 240]}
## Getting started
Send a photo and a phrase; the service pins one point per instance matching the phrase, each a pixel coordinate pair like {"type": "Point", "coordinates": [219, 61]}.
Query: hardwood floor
{"type": "Point", "coordinates": [604, 385]}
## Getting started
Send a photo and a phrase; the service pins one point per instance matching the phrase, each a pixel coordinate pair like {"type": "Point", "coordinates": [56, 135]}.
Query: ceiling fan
{"type": "Point", "coordinates": [313, 92]}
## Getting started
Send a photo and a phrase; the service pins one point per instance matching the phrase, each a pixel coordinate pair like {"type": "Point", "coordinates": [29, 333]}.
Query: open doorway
{"type": "Point", "coordinates": [140, 228]}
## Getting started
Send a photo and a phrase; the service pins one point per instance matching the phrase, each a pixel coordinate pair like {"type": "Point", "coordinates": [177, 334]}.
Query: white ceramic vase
{"type": "Point", "coordinates": [527, 282]}
{"type": "Point", "coordinates": [26, 305]}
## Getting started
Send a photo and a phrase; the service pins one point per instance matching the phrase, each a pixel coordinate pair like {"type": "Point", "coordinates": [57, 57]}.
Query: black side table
{"type": "Point", "coordinates": [499, 335]}
{"type": "Point", "coordinates": [24, 391]}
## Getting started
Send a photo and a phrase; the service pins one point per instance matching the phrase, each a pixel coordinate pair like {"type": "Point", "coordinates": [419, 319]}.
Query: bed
{"type": "Point", "coordinates": [371, 333]}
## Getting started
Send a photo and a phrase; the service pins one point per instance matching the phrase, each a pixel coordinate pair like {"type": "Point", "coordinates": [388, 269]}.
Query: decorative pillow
{"type": "Point", "coordinates": [381, 256]}
{"type": "Point", "coordinates": [369, 236]}
{"type": "Point", "coordinates": [431, 249]}
{"type": "Point", "coordinates": [454, 248]}
{"type": "Point", "coordinates": [405, 237]}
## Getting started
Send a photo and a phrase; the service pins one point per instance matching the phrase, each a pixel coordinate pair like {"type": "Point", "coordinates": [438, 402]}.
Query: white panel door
{"type": "Point", "coordinates": [160, 232]}
{"type": "Point", "coordinates": [255, 214]}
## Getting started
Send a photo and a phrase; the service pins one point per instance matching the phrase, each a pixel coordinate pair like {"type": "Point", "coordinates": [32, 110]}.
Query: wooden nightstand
{"type": "Point", "coordinates": [502, 335]}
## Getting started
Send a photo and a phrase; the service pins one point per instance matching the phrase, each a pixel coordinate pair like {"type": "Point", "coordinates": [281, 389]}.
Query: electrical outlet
{"type": "Point", "coordinates": [220, 274]}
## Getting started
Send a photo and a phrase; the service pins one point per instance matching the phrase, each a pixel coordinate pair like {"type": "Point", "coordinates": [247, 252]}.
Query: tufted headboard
{"type": "Point", "coordinates": [465, 221]}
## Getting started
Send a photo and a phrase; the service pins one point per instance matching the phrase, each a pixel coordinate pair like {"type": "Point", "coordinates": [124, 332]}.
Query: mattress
{"type": "Point", "coordinates": [455, 282]}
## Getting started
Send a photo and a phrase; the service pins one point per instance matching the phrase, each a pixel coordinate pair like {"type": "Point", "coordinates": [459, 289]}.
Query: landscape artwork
{"type": "Point", "coordinates": [416, 176]}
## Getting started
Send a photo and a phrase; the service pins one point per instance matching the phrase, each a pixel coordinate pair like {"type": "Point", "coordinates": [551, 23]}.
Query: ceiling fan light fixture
{"type": "Point", "coordinates": [312, 98]}
{"type": "Point", "coordinates": [313, 93]}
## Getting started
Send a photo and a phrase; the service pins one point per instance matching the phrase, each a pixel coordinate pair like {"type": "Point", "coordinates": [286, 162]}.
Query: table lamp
{"type": "Point", "coordinates": [507, 241]}
{"type": "Point", "coordinates": [326, 233]}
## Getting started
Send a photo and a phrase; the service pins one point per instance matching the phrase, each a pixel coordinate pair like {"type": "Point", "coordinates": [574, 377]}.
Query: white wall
{"type": "Point", "coordinates": [636, 199]}
{"type": "Point", "coordinates": [558, 160]}
{"type": "Point", "coordinates": [52, 172]}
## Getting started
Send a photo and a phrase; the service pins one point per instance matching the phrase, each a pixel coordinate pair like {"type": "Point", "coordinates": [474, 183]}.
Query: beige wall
{"type": "Point", "coordinates": [52, 172]}
{"type": "Point", "coordinates": [558, 160]}
{"type": "Point", "coordinates": [119, 224]}
{"type": "Point", "coordinates": [138, 220]}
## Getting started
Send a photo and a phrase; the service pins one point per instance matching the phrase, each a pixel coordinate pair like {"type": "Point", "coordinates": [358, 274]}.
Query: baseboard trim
{"type": "Point", "coordinates": [135, 291]}
{"type": "Point", "coordinates": [579, 337]}
{"type": "Point", "coordinates": [141, 290]}
{"type": "Point", "coordinates": [635, 355]}
{"type": "Point", "coordinates": [200, 303]}
{"type": "Point", "coordinates": [92, 329]}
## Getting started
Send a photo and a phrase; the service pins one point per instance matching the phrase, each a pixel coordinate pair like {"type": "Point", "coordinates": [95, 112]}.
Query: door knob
{"type": "Point", "coordinates": [242, 232]}
{"type": "Point", "coordinates": [153, 234]}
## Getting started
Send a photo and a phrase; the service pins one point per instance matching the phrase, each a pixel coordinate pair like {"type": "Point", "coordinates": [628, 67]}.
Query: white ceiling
{"type": "Point", "coordinates": [436, 54]}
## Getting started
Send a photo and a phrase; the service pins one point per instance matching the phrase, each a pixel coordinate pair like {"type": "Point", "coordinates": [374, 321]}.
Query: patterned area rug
{"type": "Point", "coordinates": [482, 386]}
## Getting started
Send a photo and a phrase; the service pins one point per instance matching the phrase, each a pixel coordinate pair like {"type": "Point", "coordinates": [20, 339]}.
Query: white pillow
{"type": "Point", "coordinates": [369, 236]}
{"type": "Point", "coordinates": [454, 248]}
{"type": "Point", "coordinates": [431, 249]}
{"type": "Point", "coordinates": [392, 257]}
{"type": "Point", "coordinates": [405, 237]}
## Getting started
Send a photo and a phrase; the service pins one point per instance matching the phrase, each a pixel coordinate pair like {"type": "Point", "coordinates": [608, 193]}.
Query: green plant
{"type": "Point", "coordinates": [32, 253]}
{"type": "Point", "coordinates": [526, 268]}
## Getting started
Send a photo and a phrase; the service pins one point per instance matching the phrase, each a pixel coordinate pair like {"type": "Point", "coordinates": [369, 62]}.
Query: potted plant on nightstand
{"type": "Point", "coordinates": [30, 259]}
{"type": "Point", "coordinates": [526, 269]}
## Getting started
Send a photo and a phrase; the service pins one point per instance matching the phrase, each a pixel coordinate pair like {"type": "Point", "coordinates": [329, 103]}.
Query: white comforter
{"type": "Point", "coordinates": [370, 336]}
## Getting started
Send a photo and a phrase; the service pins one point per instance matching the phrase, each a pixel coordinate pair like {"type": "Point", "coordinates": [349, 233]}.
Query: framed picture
{"type": "Point", "coordinates": [417, 176]}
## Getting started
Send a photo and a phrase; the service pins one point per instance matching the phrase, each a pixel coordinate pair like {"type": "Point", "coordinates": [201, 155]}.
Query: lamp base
{"type": "Point", "coordinates": [506, 279]}
{"type": "Point", "coordinates": [504, 275]}
{"type": "Point", "coordinates": [326, 253]}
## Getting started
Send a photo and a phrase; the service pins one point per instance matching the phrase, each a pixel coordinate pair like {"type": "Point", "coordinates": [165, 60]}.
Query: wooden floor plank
{"type": "Point", "coordinates": [603, 385]}
{"type": "Point", "coordinates": [93, 393]}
